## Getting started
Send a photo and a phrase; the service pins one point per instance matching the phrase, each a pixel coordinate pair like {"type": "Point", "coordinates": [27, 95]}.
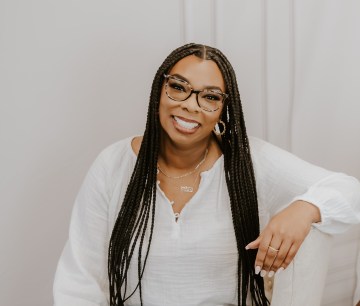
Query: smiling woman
{"type": "Point", "coordinates": [194, 212]}
{"type": "Point", "coordinates": [188, 116]}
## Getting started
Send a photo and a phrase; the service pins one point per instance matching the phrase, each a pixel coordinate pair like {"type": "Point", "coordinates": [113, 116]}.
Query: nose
{"type": "Point", "coordinates": [191, 104]}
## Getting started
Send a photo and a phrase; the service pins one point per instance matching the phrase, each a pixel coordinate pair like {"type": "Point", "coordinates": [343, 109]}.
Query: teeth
{"type": "Point", "coordinates": [185, 124]}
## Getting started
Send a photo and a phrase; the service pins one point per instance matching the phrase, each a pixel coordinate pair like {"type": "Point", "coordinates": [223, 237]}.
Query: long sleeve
{"type": "Point", "coordinates": [283, 178]}
{"type": "Point", "coordinates": [81, 276]}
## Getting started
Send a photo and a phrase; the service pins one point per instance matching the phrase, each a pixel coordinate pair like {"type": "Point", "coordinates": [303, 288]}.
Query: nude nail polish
{"type": "Point", "coordinates": [257, 269]}
{"type": "Point", "coordinates": [279, 270]}
{"type": "Point", "coordinates": [262, 273]}
{"type": "Point", "coordinates": [271, 273]}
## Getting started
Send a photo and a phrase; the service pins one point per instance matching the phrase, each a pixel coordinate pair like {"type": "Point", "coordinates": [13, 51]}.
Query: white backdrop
{"type": "Point", "coordinates": [75, 76]}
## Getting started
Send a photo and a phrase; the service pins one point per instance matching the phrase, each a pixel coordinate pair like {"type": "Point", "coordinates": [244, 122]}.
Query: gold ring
{"type": "Point", "coordinates": [273, 249]}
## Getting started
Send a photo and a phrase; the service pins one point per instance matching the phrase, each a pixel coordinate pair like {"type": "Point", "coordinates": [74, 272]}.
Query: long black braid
{"type": "Point", "coordinates": [137, 212]}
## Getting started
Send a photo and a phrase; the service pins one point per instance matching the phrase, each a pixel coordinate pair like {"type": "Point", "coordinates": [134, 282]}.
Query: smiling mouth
{"type": "Point", "coordinates": [186, 124]}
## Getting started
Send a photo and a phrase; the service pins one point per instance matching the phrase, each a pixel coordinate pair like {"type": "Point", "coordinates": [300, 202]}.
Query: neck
{"type": "Point", "coordinates": [181, 157]}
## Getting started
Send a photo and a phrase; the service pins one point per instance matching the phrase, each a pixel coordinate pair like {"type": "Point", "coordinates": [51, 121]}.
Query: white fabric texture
{"type": "Point", "coordinates": [192, 261]}
{"type": "Point", "coordinates": [357, 290]}
{"type": "Point", "coordinates": [303, 281]}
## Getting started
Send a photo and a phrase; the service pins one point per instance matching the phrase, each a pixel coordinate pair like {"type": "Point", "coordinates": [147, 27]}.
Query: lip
{"type": "Point", "coordinates": [187, 120]}
{"type": "Point", "coordinates": [183, 130]}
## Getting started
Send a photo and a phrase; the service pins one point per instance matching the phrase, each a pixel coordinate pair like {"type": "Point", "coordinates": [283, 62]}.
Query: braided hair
{"type": "Point", "coordinates": [137, 213]}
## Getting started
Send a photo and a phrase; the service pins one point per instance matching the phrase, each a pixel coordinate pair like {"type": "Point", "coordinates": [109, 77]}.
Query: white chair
{"type": "Point", "coordinates": [302, 283]}
{"type": "Point", "coordinates": [357, 290]}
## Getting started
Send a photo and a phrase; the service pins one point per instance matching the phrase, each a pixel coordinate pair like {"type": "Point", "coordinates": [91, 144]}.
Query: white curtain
{"type": "Point", "coordinates": [75, 76]}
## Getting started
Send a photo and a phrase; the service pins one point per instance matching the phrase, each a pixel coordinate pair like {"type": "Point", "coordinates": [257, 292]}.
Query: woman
{"type": "Point", "coordinates": [174, 217]}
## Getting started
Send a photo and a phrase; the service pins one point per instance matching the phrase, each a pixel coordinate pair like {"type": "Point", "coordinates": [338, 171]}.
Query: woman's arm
{"type": "Point", "coordinates": [81, 276]}
{"type": "Point", "coordinates": [297, 194]}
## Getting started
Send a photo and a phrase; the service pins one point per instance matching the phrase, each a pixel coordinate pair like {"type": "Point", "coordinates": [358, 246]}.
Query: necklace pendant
{"type": "Point", "coordinates": [186, 189]}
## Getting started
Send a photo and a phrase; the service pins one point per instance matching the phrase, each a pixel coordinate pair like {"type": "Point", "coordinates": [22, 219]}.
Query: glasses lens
{"type": "Point", "coordinates": [210, 100]}
{"type": "Point", "coordinates": [178, 90]}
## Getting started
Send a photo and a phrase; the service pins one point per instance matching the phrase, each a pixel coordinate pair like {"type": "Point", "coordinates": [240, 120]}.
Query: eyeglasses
{"type": "Point", "coordinates": [180, 90]}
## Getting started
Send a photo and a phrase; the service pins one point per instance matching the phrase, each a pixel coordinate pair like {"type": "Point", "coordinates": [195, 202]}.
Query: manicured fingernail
{"type": "Point", "coordinates": [271, 273]}
{"type": "Point", "coordinates": [247, 247]}
{"type": "Point", "coordinates": [262, 273]}
{"type": "Point", "coordinates": [257, 269]}
{"type": "Point", "coordinates": [280, 269]}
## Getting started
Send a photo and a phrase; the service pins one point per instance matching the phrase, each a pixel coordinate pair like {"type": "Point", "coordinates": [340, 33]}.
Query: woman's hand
{"type": "Point", "coordinates": [280, 240]}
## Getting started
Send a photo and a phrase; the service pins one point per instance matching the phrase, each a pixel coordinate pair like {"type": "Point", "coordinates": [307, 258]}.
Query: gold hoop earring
{"type": "Point", "coordinates": [217, 130]}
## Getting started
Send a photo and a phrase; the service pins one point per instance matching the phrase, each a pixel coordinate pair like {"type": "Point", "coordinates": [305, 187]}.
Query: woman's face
{"type": "Point", "coordinates": [185, 123]}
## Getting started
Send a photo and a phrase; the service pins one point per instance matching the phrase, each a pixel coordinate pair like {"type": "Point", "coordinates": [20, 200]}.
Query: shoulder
{"type": "Point", "coordinates": [268, 158]}
{"type": "Point", "coordinates": [259, 148]}
{"type": "Point", "coordinates": [119, 147]}
{"type": "Point", "coordinates": [265, 151]}
{"type": "Point", "coordinates": [136, 144]}
{"type": "Point", "coordinates": [119, 152]}
{"type": "Point", "coordinates": [114, 164]}
{"type": "Point", "coordinates": [257, 144]}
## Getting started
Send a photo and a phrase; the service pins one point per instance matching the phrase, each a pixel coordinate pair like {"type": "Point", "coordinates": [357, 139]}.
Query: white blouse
{"type": "Point", "coordinates": [192, 261]}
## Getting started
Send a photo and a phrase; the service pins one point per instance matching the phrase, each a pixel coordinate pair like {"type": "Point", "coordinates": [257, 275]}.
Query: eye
{"type": "Point", "coordinates": [176, 86]}
{"type": "Point", "coordinates": [212, 97]}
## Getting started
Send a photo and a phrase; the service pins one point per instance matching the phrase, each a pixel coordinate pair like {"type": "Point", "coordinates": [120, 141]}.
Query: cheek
{"type": "Point", "coordinates": [210, 122]}
{"type": "Point", "coordinates": [162, 103]}
{"type": "Point", "coordinates": [164, 111]}
{"type": "Point", "coordinates": [163, 108]}
{"type": "Point", "coordinates": [216, 116]}
{"type": "Point", "coordinates": [166, 105]}
{"type": "Point", "coordinates": [214, 122]}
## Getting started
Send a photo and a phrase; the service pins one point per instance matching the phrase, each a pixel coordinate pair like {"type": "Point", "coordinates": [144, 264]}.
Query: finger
{"type": "Point", "coordinates": [262, 250]}
{"type": "Point", "coordinates": [272, 251]}
{"type": "Point", "coordinates": [290, 255]}
{"type": "Point", "coordinates": [254, 244]}
{"type": "Point", "coordinates": [283, 251]}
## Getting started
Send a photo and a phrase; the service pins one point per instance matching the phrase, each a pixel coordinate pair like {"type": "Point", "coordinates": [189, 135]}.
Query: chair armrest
{"type": "Point", "coordinates": [302, 283]}
{"type": "Point", "coordinates": [357, 289]}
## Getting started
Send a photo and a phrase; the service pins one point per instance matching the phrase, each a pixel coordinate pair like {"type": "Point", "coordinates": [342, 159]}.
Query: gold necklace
{"type": "Point", "coordinates": [189, 189]}
{"type": "Point", "coordinates": [184, 189]}
{"type": "Point", "coordinates": [186, 174]}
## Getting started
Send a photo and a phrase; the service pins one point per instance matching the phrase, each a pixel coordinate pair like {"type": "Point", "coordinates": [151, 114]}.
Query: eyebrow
{"type": "Point", "coordinates": [186, 80]}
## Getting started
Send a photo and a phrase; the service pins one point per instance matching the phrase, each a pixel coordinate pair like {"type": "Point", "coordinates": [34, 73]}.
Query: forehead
{"type": "Point", "coordinates": [199, 72]}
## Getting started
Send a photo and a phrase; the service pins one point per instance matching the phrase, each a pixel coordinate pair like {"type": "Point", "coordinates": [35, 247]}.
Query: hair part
{"type": "Point", "coordinates": [137, 213]}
